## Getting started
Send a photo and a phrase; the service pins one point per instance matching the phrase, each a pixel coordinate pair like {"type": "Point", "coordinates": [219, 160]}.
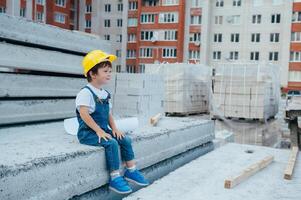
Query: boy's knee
{"type": "Point", "coordinates": [126, 140]}
{"type": "Point", "coordinates": [112, 142]}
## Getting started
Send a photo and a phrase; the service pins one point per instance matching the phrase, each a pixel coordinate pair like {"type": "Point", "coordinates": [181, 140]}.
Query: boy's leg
{"type": "Point", "coordinates": [127, 155]}
{"type": "Point", "coordinates": [117, 182]}
{"type": "Point", "coordinates": [111, 149]}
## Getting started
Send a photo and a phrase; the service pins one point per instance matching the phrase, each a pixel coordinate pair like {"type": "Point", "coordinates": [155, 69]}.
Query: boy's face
{"type": "Point", "coordinates": [103, 75]}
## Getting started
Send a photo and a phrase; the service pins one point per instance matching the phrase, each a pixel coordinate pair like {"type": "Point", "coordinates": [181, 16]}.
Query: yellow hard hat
{"type": "Point", "coordinates": [94, 57]}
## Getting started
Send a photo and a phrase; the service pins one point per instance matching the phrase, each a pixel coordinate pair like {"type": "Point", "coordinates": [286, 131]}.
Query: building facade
{"type": "Point", "coordinates": [194, 31]}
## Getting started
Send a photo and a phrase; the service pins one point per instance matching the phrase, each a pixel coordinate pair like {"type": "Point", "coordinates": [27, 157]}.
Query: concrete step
{"type": "Point", "coordinates": [43, 162]}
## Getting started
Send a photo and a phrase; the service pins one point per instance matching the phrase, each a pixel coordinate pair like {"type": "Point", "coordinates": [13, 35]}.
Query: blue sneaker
{"type": "Point", "coordinates": [135, 177]}
{"type": "Point", "coordinates": [119, 185]}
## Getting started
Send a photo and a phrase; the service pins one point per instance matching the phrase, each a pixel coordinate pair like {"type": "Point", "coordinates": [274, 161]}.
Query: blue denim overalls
{"type": "Point", "coordinates": [88, 136]}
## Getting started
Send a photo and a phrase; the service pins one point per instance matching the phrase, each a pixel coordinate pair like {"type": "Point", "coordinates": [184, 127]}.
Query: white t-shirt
{"type": "Point", "coordinates": [85, 97]}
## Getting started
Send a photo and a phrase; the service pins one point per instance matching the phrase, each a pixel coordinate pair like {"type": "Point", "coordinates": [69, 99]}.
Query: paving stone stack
{"type": "Point", "coordinates": [249, 91]}
{"type": "Point", "coordinates": [187, 87]}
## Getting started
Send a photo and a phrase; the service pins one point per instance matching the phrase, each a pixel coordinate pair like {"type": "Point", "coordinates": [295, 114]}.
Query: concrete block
{"type": "Point", "coordinates": [46, 163]}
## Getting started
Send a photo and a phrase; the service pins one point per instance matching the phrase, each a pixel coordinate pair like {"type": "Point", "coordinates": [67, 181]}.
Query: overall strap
{"type": "Point", "coordinates": [91, 91]}
{"type": "Point", "coordinates": [109, 95]}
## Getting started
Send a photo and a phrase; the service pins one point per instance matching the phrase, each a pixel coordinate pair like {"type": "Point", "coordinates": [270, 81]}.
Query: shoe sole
{"type": "Point", "coordinates": [119, 192]}
{"type": "Point", "coordinates": [133, 181]}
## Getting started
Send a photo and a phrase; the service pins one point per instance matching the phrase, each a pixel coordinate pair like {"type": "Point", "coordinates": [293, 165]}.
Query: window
{"type": "Point", "coordinates": [147, 18]}
{"type": "Point", "coordinates": [131, 37]}
{"type": "Point", "coordinates": [107, 23]}
{"type": "Point", "coordinates": [22, 12]}
{"type": "Point", "coordinates": [255, 37]}
{"type": "Point", "coordinates": [294, 76]}
{"type": "Point", "coordinates": [196, 3]}
{"type": "Point", "coordinates": [88, 8]}
{"type": "Point", "coordinates": [107, 37]}
{"type": "Point", "coordinates": [218, 37]}
{"type": "Point", "coordinates": [217, 55]}
{"type": "Point", "coordinates": [132, 22]}
{"type": "Point", "coordinates": [235, 37]}
{"type": "Point", "coordinates": [142, 68]}
{"type": "Point", "coordinates": [41, 2]}
{"type": "Point", "coordinates": [133, 5]}
{"type": "Point", "coordinates": [120, 7]}
{"type": "Point", "coordinates": [118, 53]}
{"type": "Point", "coordinates": [2, 10]}
{"type": "Point", "coordinates": [274, 37]}
{"type": "Point", "coordinates": [218, 20]}
{"type": "Point", "coordinates": [254, 55]}
{"type": "Point", "coordinates": [149, 3]}
{"type": "Point", "coordinates": [257, 3]}
{"type": "Point", "coordinates": [273, 56]}
{"type": "Point", "coordinates": [119, 22]}
{"type": "Point", "coordinates": [146, 53]}
{"type": "Point", "coordinates": [194, 55]}
{"type": "Point", "coordinates": [275, 18]}
{"type": "Point", "coordinates": [256, 19]}
{"type": "Point", "coordinates": [118, 68]}
{"type": "Point", "coordinates": [233, 19]}
{"type": "Point", "coordinates": [296, 17]}
{"type": "Point", "coordinates": [219, 3]}
{"type": "Point", "coordinates": [147, 35]}
{"type": "Point", "coordinates": [61, 3]}
{"type": "Point", "coordinates": [296, 36]}
{"type": "Point", "coordinates": [39, 16]}
{"type": "Point", "coordinates": [295, 56]}
{"type": "Point", "coordinates": [119, 38]}
{"type": "Point", "coordinates": [60, 18]}
{"type": "Point", "coordinates": [170, 2]}
{"type": "Point", "coordinates": [195, 20]}
{"type": "Point", "coordinates": [169, 53]}
{"type": "Point", "coordinates": [195, 37]}
{"type": "Point", "coordinates": [107, 7]}
{"type": "Point", "coordinates": [233, 55]}
{"type": "Point", "coordinates": [131, 53]}
{"type": "Point", "coordinates": [88, 23]}
{"type": "Point", "coordinates": [130, 69]}
{"type": "Point", "coordinates": [236, 3]}
{"type": "Point", "coordinates": [170, 35]}
{"type": "Point", "coordinates": [168, 17]}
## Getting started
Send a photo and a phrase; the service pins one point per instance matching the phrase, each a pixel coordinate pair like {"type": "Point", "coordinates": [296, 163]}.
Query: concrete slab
{"type": "Point", "coordinates": [43, 162]}
{"type": "Point", "coordinates": [204, 177]}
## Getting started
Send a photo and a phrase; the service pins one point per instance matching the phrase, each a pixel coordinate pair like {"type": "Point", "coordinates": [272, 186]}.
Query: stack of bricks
{"type": "Point", "coordinates": [187, 87]}
{"type": "Point", "coordinates": [245, 91]}
{"type": "Point", "coordinates": [138, 95]}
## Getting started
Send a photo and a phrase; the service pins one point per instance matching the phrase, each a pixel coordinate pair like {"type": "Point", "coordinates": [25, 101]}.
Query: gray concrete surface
{"type": "Point", "coordinates": [204, 177]}
{"type": "Point", "coordinates": [43, 162]}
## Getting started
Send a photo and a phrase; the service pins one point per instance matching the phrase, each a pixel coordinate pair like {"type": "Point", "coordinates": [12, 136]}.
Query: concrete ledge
{"type": "Point", "coordinates": [42, 162]}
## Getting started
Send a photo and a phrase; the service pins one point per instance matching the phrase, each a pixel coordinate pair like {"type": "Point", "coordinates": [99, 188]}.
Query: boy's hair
{"type": "Point", "coordinates": [94, 70]}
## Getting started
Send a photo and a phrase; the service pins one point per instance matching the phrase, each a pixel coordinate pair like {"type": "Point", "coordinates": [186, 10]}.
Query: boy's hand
{"type": "Point", "coordinates": [104, 135]}
{"type": "Point", "coordinates": [118, 134]}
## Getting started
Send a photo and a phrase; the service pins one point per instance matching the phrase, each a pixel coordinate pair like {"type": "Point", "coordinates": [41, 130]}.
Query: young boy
{"type": "Point", "coordinates": [94, 117]}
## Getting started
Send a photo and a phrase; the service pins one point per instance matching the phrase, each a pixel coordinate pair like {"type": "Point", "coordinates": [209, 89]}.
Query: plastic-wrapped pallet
{"type": "Point", "coordinates": [138, 95]}
{"type": "Point", "coordinates": [249, 91]}
{"type": "Point", "coordinates": [187, 87]}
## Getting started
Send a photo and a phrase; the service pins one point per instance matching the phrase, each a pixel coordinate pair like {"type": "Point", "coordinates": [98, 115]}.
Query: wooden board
{"type": "Point", "coordinates": [35, 110]}
{"type": "Point", "coordinates": [251, 170]}
{"type": "Point", "coordinates": [288, 172]}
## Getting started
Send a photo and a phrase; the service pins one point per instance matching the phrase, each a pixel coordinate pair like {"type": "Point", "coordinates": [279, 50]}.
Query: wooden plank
{"type": "Point", "coordinates": [246, 173]}
{"type": "Point", "coordinates": [154, 120]}
{"type": "Point", "coordinates": [288, 172]}
{"type": "Point", "coordinates": [20, 29]}
{"type": "Point", "coordinates": [38, 59]}
{"type": "Point", "coordinates": [22, 85]}
{"type": "Point", "coordinates": [35, 110]}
